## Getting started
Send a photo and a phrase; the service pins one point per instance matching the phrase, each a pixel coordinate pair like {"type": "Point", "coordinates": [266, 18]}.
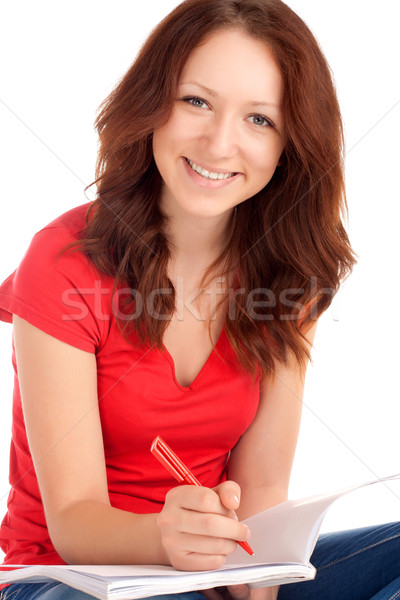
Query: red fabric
{"type": "Point", "coordinates": [139, 396]}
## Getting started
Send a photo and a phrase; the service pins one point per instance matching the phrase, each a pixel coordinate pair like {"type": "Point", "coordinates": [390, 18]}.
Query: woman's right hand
{"type": "Point", "coordinates": [199, 527]}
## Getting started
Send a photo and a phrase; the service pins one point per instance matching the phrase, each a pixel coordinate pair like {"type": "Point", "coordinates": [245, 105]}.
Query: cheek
{"type": "Point", "coordinates": [171, 138]}
{"type": "Point", "coordinates": [159, 141]}
{"type": "Point", "coordinates": [266, 158]}
{"type": "Point", "coordinates": [162, 151]}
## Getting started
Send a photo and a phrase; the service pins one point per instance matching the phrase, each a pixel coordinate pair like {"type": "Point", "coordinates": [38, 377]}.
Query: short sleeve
{"type": "Point", "coordinates": [63, 295]}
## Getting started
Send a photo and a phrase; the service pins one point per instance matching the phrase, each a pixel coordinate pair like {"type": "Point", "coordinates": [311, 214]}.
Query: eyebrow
{"type": "Point", "coordinates": [215, 94]}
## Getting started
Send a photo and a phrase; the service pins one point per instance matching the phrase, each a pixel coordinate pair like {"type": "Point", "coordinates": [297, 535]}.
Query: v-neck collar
{"type": "Point", "coordinates": [193, 384]}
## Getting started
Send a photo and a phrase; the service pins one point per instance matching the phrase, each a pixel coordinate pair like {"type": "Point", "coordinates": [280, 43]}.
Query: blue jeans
{"type": "Point", "coordinates": [359, 564]}
{"type": "Point", "coordinates": [59, 591]}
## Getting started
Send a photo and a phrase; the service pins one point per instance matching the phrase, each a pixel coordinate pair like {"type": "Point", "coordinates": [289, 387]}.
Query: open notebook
{"type": "Point", "coordinates": [283, 538]}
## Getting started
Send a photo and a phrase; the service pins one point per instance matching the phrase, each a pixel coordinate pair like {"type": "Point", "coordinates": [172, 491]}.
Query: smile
{"type": "Point", "coordinates": [208, 174]}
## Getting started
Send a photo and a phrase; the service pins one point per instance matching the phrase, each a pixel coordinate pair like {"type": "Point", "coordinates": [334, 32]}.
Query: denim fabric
{"type": "Point", "coordinates": [359, 564]}
{"type": "Point", "coordinates": [52, 590]}
{"type": "Point", "coordinates": [59, 591]}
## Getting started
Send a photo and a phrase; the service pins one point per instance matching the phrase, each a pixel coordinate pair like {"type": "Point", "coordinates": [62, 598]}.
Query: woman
{"type": "Point", "coordinates": [183, 302]}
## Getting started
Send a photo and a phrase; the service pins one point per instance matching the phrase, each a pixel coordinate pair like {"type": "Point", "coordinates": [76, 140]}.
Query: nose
{"type": "Point", "coordinates": [222, 137]}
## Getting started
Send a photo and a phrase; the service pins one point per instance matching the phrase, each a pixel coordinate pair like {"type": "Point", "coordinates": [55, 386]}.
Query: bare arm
{"type": "Point", "coordinates": [261, 462]}
{"type": "Point", "coordinates": [59, 396]}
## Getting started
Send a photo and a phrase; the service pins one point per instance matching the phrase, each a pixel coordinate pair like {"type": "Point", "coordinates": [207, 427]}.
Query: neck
{"type": "Point", "coordinates": [197, 242]}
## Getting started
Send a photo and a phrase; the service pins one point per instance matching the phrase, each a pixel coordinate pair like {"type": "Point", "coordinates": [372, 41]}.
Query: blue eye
{"type": "Point", "coordinates": [261, 121]}
{"type": "Point", "coordinates": [194, 101]}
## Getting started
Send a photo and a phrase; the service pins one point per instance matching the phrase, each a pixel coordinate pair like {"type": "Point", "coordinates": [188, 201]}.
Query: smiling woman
{"type": "Point", "coordinates": [283, 167]}
{"type": "Point", "coordinates": [217, 142]}
{"type": "Point", "coordinates": [183, 302]}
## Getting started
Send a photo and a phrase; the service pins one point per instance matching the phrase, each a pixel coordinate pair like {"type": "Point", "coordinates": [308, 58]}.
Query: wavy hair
{"type": "Point", "coordinates": [287, 243]}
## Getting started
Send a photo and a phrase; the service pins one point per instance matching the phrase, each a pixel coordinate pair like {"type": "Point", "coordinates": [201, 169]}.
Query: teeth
{"type": "Point", "coordinates": [208, 174]}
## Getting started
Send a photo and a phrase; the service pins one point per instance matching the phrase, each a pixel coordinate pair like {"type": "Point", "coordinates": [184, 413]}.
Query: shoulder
{"type": "Point", "coordinates": [72, 220]}
{"type": "Point", "coordinates": [57, 288]}
{"type": "Point", "coordinates": [65, 229]}
{"type": "Point", "coordinates": [53, 250]}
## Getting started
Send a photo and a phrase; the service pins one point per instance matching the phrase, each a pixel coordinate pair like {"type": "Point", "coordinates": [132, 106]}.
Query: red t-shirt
{"type": "Point", "coordinates": [138, 394]}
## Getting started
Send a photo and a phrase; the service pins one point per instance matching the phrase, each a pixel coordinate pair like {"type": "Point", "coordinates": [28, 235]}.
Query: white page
{"type": "Point", "coordinates": [288, 531]}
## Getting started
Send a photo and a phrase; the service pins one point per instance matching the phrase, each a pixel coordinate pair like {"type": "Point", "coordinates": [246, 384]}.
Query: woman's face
{"type": "Point", "coordinates": [223, 139]}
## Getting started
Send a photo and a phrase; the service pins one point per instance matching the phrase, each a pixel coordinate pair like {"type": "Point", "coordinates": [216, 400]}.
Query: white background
{"type": "Point", "coordinates": [60, 60]}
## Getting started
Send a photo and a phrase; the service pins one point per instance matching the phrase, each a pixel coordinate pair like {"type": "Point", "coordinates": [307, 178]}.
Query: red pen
{"type": "Point", "coordinates": [175, 466]}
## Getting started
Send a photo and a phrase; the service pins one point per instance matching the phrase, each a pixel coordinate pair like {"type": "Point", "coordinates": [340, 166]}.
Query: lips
{"type": "Point", "coordinates": [208, 173]}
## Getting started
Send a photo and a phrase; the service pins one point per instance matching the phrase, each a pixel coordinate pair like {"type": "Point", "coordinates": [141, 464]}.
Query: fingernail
{"type": "Point", "coordinates": [248, 533]}
{"type": "Point", "coordinates": [236, 499]}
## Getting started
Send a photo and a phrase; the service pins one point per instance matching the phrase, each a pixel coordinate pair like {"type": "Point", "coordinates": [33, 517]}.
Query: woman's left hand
{"type": "Point", "coordinates": [241, 592]}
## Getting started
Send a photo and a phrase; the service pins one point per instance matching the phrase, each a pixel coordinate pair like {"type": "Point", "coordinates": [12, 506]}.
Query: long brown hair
{"type": "Point", "coordinates": [287, 242]}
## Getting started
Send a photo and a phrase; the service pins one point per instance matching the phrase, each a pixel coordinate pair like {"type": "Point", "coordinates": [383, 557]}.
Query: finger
{"type": "Point", "coordinates": [212, 594]}
{"type": "Point", "coordinates": [200, 499]}
{"type": "Point", "coordinates": [213, 525]}
{"type": "Point", "coordinates": [224, 592]}
{"type": "Point", "coordinates": [229, 494]}
{"type": "Point", "coordinates": [268, 593]}
{"type": "Point", "coordinates": [239, 592]}
{"type": "Point", "coordinates": [198, 562]}
{"type": "Point", "coordinates": [203, 544]}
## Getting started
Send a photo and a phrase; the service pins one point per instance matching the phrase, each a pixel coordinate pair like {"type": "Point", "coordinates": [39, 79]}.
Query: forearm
{"type": "Point", "coordinates": [256, 499]}
{"type": "Point", "coordinates": [91, 532]}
